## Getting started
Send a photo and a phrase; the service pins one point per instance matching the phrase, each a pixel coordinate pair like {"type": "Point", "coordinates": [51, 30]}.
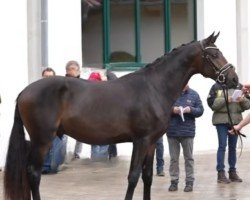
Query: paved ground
{"type": "Point", "coordinates": [84, 179]}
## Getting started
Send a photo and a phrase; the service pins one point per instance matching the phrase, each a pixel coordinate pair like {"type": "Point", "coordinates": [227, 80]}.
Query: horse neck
{"type": "Point", "coordinates": [173, 73]}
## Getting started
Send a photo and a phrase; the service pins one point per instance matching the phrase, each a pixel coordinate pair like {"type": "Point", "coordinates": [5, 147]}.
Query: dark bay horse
{"type": "Point", "coordinates": [134, 108]}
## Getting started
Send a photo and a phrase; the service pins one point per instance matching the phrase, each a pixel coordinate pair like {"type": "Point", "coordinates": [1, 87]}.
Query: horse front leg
{"type": "Point", "coordinates": [138, 155]}
{"type": "Point", "coordinates": [147, 172]}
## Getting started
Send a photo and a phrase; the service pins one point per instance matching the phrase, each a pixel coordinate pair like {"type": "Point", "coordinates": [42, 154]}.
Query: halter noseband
{"type": "Point", "coordinates": [219, 71]}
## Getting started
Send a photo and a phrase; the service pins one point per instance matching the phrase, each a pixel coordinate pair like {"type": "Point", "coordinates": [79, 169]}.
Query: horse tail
{"type": "Point", "coordinates": [16, 184]}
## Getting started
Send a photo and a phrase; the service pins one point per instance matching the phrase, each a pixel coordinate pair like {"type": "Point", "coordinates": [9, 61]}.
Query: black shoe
{"type": "Point", "coordinates": [233, 176]}
{"type": "Point", "coordinates": [222, 178]}
{"type": "Point", "coordinates": [188, 187]}
{"type": "Point", "coordinates": [45, 172]}
{"type": "Point", "coordinates": [112, 156]}
{"type": "Point", "coordinates": [173, 187]}
{"type": "Point", "coordinates": [76, 156]}
{"type": "Point", "coordinates": [160, 173]}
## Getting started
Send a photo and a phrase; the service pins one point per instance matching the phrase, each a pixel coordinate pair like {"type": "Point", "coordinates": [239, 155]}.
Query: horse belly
{"type": "Point", "coordinates": [98, 133]}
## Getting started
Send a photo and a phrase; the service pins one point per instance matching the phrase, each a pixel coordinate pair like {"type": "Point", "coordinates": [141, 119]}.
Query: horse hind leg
{"type": "Point", "coordinates": [34, 177]}
{"type": "Point", "coordinates": [35, 162]}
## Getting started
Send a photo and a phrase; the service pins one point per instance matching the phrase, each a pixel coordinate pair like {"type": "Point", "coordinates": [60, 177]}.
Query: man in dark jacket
{"type": "Point", "coordinates": [181, 132]}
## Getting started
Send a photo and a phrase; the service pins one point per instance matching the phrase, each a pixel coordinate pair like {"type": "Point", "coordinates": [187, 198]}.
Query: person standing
{"type": "Point", "coordinates": [181, 132]}
{"type": "Point", "coordinates": [73, 70]}
{"type": "Point", "coordinates": [98, 152]}
{"type": "Point", "coordinates": [47, 72]}
{"type": "Point", "coordinates": [57, 152]}
{"type": "Point", "coordinates": [159, 148]}
{"type": "Point", "coordinates": [220, 120]}
{"type": "Point", "coordinates": [112, 150]}
{"type": "Point", "coordinates": [246, 120]}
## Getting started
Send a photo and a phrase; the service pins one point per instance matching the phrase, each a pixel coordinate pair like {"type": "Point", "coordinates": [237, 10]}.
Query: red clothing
{"type": "Point", "coordinates": [95, 76]}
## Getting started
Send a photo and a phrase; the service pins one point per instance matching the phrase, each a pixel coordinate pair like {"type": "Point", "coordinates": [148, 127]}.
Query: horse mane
{"type": "Point", "coordinates": [168, 54]}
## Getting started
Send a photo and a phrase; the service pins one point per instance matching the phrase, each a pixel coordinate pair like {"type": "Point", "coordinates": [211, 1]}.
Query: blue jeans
{"type": "Point", "coordinates": [112, 150]}
{"type": "Point", "coordinates": [56, 155]}
{"type": "Point", "coordinates": [159, 155]}
{"type": "Point", "coordinates": [99, 152]}
{"type": "Point", "coordinates": [223, 136]}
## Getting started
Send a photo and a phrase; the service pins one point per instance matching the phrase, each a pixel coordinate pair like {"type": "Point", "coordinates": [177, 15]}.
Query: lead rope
{"type": "Point", "coordinates": [225, 92]}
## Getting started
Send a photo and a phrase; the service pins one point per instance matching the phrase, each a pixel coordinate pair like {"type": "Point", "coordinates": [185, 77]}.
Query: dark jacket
{"type": "Point", "coordinates": [110, 75]}
{"type": "Point", "coordinates": [217, 103]}
{"type": "Point", "coordinates": [178, 128]}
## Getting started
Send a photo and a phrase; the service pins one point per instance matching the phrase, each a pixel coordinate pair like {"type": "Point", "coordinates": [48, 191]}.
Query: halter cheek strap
{"type": "Point", "coordinates": [220, 71]}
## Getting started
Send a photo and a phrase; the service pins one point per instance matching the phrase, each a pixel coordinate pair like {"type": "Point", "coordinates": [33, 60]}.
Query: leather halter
{"type": "Point", "coordinates": [219, 71]}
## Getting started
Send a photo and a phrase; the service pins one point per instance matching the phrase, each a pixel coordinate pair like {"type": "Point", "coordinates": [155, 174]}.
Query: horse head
{"type": "Point", "coordinates": [214, 65]}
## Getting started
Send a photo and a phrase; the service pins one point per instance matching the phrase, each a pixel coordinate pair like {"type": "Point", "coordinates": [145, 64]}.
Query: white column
{"type": "Point", "coordinates": [200, 19]}
{"type": "Point", "coordinates": [34, 39]}
{"type": "Point", "coordinates": [242, 40]}
{"type": "Point", "coordinates": [243, 54]}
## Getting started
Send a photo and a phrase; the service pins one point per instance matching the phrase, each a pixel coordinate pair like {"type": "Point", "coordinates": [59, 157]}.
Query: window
{"type": "Point", "coordinates": [92, 40]}
{"type": "Point", "coordinates": [127, 34]}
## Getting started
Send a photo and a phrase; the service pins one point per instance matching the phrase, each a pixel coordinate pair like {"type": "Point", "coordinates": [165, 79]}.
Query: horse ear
{"type": "Point", "coordinates": [215, 38]}
{"type": "Point", "coordinates": [208, 40]}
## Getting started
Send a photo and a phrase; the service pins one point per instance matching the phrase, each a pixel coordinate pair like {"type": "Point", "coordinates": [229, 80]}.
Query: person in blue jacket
{"type": "Point", "coordinates": [181, 133]}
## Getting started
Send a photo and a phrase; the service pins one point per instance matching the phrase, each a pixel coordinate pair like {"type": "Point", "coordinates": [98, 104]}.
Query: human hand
{"type": "Point", "coordinates": [187, 109]}
{"type": "Point", "coordinates": [176, 110]}
{"type": "Point", "coordinates": [240, 99]}
{"type": "Point", "coordinates": [246, 88]}
{"type": "Point", "coordinates": [229, 100]}
{"type": "Point", "coordinates": [247, 85]}
{"type": "Point", "coordinates": [236, 129]}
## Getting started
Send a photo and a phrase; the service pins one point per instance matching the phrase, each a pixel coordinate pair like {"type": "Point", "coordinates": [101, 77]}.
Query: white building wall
{"type": "Point", "coordinates": [64, 33]}
{"type": "Point", "coordinates": [14, 67]}
{"type": "Point", "coordinates": [64, 45]}
{"type": "Point", "coordinates": [211, 18]}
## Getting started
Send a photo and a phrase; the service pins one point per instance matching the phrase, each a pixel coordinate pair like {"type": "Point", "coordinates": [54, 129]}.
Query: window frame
{"type": "Point", "coordinates": [122, 66]}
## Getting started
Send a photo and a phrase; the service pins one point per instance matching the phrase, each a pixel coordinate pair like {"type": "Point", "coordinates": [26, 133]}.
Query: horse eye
{"type": "Point", "coordinates": [215, 55]}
